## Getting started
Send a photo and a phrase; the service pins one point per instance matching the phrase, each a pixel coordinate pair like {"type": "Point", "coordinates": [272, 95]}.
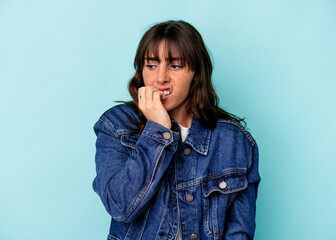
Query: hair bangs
{"type": "Point", "coordinates": [175, 48]}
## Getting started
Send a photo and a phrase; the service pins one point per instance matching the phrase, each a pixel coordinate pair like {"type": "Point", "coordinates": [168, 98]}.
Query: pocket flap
{"type": "Point", "coordinates": [226, 184]}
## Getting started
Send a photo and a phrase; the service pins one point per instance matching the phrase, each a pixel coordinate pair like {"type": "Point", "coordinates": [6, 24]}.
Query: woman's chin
{"type": "Point", "coordinates": [167, 108]}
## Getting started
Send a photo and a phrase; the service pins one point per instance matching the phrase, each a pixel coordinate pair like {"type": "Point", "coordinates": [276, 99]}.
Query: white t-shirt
{"type": "Point", "coordinates": [184, 134]}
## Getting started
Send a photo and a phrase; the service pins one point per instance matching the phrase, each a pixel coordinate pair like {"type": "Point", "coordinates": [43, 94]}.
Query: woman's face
{"type": "Point", "coordinates": [169, 76]}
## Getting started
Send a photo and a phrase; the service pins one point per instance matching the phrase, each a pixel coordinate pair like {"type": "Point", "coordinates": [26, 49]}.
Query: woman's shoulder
{"type": "Point", "coordinates": [120, 118]}
{"type": "Point", "coordinates": [234, 127]}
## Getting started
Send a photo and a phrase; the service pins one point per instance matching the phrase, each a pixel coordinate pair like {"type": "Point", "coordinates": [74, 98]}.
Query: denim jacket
{"type": "Point", "coordinates": [212, 178]}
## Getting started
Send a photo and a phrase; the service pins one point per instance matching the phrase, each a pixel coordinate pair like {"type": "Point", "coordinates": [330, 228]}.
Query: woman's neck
{"type": "Point", "coordinates": [183, 118]}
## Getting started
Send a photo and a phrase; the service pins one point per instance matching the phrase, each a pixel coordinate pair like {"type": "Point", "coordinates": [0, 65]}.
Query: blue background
{"type": "Point", "coordinates": [63, 63]}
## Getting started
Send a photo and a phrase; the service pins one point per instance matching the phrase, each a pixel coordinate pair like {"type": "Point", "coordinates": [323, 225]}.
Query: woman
{"type": "Point", "coordinates": [171, 164]}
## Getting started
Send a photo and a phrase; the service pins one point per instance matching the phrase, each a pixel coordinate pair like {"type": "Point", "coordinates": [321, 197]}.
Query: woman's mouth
{"type": "Point", "coordinates": [166, 92]}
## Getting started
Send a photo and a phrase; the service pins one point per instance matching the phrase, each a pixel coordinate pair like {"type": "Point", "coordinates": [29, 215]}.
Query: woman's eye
{"type": "Point", "coordinates": [175, 66]}
{"type": "Point", "coordinates": [149, 66]}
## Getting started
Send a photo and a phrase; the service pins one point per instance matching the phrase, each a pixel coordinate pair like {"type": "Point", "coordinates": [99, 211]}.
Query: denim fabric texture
{"type": "Point", "coordinates": [142, 180]}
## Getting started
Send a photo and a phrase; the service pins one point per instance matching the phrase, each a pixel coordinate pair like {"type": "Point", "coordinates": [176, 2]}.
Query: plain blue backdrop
{"type": "Point", "coordinates": [63, 63]}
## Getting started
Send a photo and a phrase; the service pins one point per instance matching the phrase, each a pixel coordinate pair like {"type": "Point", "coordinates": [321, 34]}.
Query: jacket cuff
{"type": "Point", "coordinates": [161, 133]}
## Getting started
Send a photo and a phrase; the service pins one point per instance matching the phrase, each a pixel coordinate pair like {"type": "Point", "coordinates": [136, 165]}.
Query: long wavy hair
{"type": "Point", "coordinates": [183, 37]}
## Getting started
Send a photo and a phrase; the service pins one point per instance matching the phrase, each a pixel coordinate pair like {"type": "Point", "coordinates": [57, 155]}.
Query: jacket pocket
{"type": "Point", "coordinates": [218, 194]}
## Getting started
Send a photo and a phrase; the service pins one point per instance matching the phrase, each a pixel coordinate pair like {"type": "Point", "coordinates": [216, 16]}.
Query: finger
{"type": "Point", "coordinates": [149, 93]}
{"type": "Point", "coordinates": [140, 96]}
{"type": "Point", "coordinates": [149, 96]}
{"type": "Point", "coordinates": [160, 94]}
{"type": "Point", "coordinates": [157, 97]}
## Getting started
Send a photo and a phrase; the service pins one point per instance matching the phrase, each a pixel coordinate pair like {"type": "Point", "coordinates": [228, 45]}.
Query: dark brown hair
{"type": "Point", "coordinates": [183, 37]}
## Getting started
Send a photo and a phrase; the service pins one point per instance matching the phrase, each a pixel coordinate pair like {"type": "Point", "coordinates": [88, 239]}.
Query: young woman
{"type": "Point", "coordinates": [171, 164]}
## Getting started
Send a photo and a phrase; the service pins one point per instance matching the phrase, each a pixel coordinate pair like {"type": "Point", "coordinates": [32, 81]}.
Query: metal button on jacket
{"type": "Point", "coordinates": [187, 151]}
{"type": "Point", "coordinates": [166, 135]}
{"type": "Point", "coordinates": [222, 185]}
{"type": "Point", "coordinates": [189, 197]}
{"type": "Point", "coordinates": [193, 236]}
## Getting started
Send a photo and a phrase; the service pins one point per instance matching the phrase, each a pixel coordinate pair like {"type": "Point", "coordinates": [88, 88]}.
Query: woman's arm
{"type": "Point", "coordinates": [240, 219]}
{"type": "Point", "coordinates": [125, 182]}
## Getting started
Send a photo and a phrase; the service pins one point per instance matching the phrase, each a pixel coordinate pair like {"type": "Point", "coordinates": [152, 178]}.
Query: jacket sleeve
{"type": "Point", "coordinates": [240, 219]}
{"type": "Point", "coordinates": [126, 182]}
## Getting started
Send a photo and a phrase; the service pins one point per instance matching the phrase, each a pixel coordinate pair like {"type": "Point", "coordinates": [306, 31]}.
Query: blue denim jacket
{"type": "Point", "coordinates": [142, 180]}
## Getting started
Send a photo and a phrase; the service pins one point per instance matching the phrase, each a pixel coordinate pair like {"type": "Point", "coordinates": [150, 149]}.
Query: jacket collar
{"type": "Point", "coordinates": [198, 137]}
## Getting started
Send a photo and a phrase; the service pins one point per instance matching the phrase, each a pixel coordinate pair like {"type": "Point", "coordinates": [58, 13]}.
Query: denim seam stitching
{"type": "Point", "coordinates": [214, 197]}
{"type": "Point", "coordinates": [116, 132]}
{"type": "Point", "coordinates": [247, 134]}
{"type": "Point", "coordinates": [226, 190]}
{"type": "Point", "coordinates": [206, 213]}
{"type": "Point", "coordinates": [144, 224]}
{"type": "Point", "coordinates": [124, 132]}
{"type": "Point", "coordinates": [205, 148]}
{"type": "Point", "coordinates": [213, 176]}
{"type": "Point", "coordinates": [128, 145]}
{"type": "Point", "coordinates": [214, 232]}
{"type": "Point", "coordinates": [157, 139]}
{"type": "Point", "coordinates": [124, 142]}
{"type": "Point", "coordinates": [129, 231]}
{"type": "Point", "coordinates": [109, 236]}
{"type": "Point", "coordinates": [201, 151]}
{"type": "Point", "coordinates": [107, 124]}
{"type": "Point", "coordinates": [133, 146]}
{"type": "Point", "coordinates": [113, 130]}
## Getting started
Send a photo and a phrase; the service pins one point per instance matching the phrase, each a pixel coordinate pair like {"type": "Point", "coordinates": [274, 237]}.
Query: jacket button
{"type": "Point", "coordinates": [222, 185]}
{"type": "Point", "coordinates": [166, 135]}
{"type": "Point", "coordinates": [189, 198]}
{"type": "Point", "coordinates": [193, 236]}
{"type": "Point", "coordinates": [187, 151]}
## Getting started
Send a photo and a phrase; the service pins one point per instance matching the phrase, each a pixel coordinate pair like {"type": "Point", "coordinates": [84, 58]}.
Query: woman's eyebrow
{"type": "Point", "coordinates": [172, 59]}
{"type": "Point", "coordinates": [152, 59]}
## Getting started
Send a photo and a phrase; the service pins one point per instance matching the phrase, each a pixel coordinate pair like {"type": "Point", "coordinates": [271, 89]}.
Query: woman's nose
{"type": "Point", "coordinates": [163, 75]}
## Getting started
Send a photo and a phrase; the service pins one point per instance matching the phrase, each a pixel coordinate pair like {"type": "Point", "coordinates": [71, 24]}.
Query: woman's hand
{"type": "Point", "coordinates": [149, 102]}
